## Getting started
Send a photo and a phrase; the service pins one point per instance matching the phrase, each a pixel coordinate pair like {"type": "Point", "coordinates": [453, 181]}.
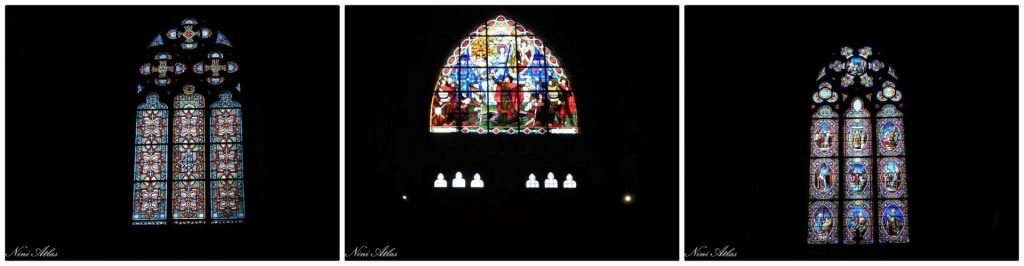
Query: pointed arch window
{"type": "Point", "coordinates": [502, 79]}
{"type": "Point", "coordinates": [150, 192]}
{"type": "Point", "coordinates": [870, 157]}
{"type": "Point", "coordinates": [188, 158]}
{"type": "Point", "coordinates": [226, 186]}
{"type": "Point", "coordinates": [188, 200]}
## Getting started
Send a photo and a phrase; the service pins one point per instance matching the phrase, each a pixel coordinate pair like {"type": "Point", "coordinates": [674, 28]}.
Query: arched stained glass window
{"type": "Point", "coordinates": [150, 192]}
{"type": "Point", "coordinates": [188, 198]}
{"type": "Point", "coordinates": [226, 160]}
{"type": "Point", "coordinates": [182, 173]}
{"type": "Point", "coordinates": [868, 106]}
{"type": "Point", "coordinates": [502, 79]}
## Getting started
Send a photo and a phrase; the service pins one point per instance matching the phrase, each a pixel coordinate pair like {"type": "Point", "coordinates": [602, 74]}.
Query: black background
{"type": "Point", "coordinates": [71, 99]}
{"type": "Point", "coordinates": [623, 64]}
{"type": "Point", "coordinates": [750, 74]}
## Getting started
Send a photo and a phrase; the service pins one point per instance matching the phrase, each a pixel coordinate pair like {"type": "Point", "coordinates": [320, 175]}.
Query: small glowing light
{"type": "Point", "coordinates": [404, 197]}
{"type": "Point", "coordinates": [440, 182]}
{"type": "Point", "coordinates": [477, 182]}
{"type": "Point", "coordinates": [628, 198]}
{"type": "Point", "coordinates": [532, 183]}
{"type": "Point", "coordinates": [458, 182]}
{"type": "Point", "coordinates": [551, 182]}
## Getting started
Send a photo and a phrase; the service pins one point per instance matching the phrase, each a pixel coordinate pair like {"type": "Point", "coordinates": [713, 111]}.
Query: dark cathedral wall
{"type": "Point", "coordinates": [750, 76]}
{"type": "Point", "coordinates": [70, 113]}
{"type": "Point", "coordinates": [623, 67]}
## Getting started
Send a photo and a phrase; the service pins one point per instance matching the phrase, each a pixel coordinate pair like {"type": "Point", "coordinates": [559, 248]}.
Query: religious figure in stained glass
{"type": "Point", "coordinates": [823, 223]}
{"type": "Point", "coordinates": [890, 133]}
{"type": "Point", "coordinates": [857, 129]}
{"type": "Point", "coordinates": [824, 177]}
{"type": "Point", "coordinates": [893, 222]}
{"type": "Point", "coordinates": [858, 178]}
{"type": "Point", "coordinates": [858, 138]}
{"type": "Point", "coordinates": [823, 138]}
{"type": "Point", "coordinates": [824, 133]}
{"type": "Point", "coordinates": [872, 147]}
{"type": "Point", "coordinates": [507, 96]}
{"type": "Point", "coordinates": [892, 178]}
{"type": "Point", "coordinates": [562, 103]}
{"type": "Point", "coordinates": [859, 228]}
{"type": "Point", "coordinates": [502, 79]}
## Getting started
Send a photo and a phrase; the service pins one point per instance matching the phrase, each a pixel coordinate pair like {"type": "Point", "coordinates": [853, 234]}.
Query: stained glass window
{"type": "Point", "coordinates": [188, 200]}
{"type": "Point", "coordinates": [892, 221]}
{"type": "Point", "coordinates": [226, 188]}
{"type": "Point", "coordinates": [823, 223]}
{"type": "Point", "coordinates": [859, 225]}
{"type": "Point", "coordinates": [870, 156]}
{"type": "Point", "coordinates": [502, 79]}
{"type": "Point", "coordinates": [150, 190]}
{"type": "Point", "coordinates": [892, 181]}
{"type": "Point", "coordinates": [824, 178]}
{"type": "Point", "coordinates": [188, 165]}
